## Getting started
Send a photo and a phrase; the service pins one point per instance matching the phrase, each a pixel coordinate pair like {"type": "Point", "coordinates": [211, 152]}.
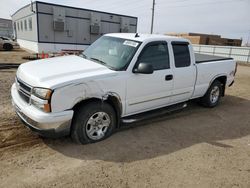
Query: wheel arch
{"type": "Point", "coordinates": [111, 98]}
{"type": "Point", "coordinates": [222, 78]}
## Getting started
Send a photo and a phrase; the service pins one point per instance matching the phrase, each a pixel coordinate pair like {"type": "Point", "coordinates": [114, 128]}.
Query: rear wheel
{"type": "Point", "coordinates": [7, 47]}
{"type": "Point", "coordinates": [213, 95]}
{"type": "Point", "coordinates": [93, 122]}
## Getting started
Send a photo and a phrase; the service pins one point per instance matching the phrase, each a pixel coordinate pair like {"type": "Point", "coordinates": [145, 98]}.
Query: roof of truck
{"type": "Point", "coordinates": [146, 37]}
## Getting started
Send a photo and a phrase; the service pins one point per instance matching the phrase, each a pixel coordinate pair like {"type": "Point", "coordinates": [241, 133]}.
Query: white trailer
{"type": "Point", "coordinates": [47, 27]}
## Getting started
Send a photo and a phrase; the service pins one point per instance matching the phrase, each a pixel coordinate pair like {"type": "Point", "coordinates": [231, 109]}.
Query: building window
{"type": "Point", "coordinates": [21, 25]}
{"type": "Point", "coordinates": [30, 24]}
{"type": "Point", "coordinates": [25, 25]}
{"type": "Point", "coordinates": [18, 26]}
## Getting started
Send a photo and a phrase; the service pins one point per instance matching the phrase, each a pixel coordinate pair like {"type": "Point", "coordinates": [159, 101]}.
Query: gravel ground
{"type": "Point", "coordinates": [196, 147]}
{"type": "Point", "coordinates": [13, 56]}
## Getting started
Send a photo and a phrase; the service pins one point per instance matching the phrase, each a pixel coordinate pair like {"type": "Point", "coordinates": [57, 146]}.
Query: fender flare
{"type": "Point", "coordinates": [216, 77]}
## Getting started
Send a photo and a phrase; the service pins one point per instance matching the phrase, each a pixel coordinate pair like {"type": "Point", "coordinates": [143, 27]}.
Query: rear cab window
{"type": "Point", "coordinates": [181, 54]}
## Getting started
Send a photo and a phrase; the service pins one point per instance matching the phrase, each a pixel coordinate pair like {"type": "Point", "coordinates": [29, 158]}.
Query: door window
{"type": "Point", "coordinates": [181, 55]}
{"type": "Point", "coordinates": [157, 55]}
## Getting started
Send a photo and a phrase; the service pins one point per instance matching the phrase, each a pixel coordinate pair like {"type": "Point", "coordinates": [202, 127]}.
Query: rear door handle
{"type": "Point", "coordinates": [168, 77]}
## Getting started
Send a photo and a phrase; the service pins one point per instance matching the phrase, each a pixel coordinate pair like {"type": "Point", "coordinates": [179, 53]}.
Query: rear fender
{"type": "Point", "coordinates": [223, 79]}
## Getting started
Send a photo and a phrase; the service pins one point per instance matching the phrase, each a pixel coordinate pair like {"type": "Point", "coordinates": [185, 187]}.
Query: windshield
{"type": "Point", "coordinates": [115, 53]}
{"type": "Point", "coordinates": [4, 38]}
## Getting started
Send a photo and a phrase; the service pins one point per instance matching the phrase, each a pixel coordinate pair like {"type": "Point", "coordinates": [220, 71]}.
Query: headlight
{"type": "Point", "coordinates": [40, 98]}
{"type": "Point", "coordinates": [42, 93]}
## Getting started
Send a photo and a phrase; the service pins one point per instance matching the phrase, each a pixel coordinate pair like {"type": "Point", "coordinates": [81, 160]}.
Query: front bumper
{"type": "Point", "coordinates": [16, 46]}
{"type": "Point", "coordinates": [54, 124]}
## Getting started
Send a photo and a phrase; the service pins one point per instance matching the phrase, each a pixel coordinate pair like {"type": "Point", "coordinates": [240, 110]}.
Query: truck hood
{"type": "Point", "coordinates": [58, 71]}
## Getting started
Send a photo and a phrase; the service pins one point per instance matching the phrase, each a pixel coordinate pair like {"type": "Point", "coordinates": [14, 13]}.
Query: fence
{"type": "Point", "coordinates": [238, 53]}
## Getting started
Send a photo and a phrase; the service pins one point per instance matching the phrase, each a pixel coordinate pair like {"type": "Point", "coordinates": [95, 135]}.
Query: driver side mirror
{"type": "Point", "coordinates": [144, 68]}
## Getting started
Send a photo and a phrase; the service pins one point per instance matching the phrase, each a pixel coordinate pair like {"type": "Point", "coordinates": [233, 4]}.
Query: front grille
{"type": "Point", "coordinates": [24, 90]}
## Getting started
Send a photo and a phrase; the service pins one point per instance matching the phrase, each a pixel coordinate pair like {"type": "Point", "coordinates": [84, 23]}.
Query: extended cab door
{"type": "Point", "coordinates": [184, 72]}
{"type": "Point", "coordinates": [150, 91]}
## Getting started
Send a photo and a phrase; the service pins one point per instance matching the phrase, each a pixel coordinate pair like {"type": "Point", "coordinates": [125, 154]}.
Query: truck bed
{"type": "Point", "coordinates": [202, 58]}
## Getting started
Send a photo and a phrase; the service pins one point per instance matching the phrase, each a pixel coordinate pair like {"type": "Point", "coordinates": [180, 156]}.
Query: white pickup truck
{"type": "Point", "coordinates": [117, 78]}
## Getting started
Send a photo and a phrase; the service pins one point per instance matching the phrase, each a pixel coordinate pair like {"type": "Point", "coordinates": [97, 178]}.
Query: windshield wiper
{"type": "Point", "coordinates": [98, 60]}
{"type": "Point", "coordinates": [83, 55]}
{"type": "Point", "coordinates": [102, 62]}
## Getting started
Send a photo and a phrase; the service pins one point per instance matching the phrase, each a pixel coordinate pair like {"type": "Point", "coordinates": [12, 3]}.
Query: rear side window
{"type": "Point", "coordinates": [156, 55]}
{"type": "Point", "coordinates": [181, 55]}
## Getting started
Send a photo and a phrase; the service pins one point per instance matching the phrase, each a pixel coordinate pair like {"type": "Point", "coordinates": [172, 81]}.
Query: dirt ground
{"type": "Point", "coordinates": [196, 147]}
{"type": "Point", "coordinates": [13, 56]}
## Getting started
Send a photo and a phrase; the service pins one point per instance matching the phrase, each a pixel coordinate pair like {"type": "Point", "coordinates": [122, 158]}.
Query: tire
{"type": "Point", "coordinates": [93, 122]}
{"type": "Point", "coordinates": [7, 47]}
{"type": "Point", "coordinates": [213, 95]}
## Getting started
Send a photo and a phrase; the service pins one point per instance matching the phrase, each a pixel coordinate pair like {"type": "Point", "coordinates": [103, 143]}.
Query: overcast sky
{"type": "Point", "coordinates": [229, 18]}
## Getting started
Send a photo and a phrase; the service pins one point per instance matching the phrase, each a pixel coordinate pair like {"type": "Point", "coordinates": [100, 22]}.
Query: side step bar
{"type": "Point", "coordinates": [153, 113]}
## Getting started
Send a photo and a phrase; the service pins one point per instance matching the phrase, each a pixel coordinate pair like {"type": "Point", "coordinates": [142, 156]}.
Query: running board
{"type": "Point", "coordinates": [153, 113]}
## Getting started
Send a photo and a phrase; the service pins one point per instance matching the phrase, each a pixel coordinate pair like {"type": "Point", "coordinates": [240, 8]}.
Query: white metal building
{"type": "Point", "coordinates": [47, 27]}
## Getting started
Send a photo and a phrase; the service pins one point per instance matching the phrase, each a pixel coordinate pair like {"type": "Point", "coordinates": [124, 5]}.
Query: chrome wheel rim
{"type": "Point", "coordinates": [97, 125]}
{"type": "Point", "coordinates": [214, 95]}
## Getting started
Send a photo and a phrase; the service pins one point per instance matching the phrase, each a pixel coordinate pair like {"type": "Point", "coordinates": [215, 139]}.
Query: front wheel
{"type": "Point", "coordinates": [93, 122]}
{"type": "Point", "coordinates": [213, 95]}
{"type": "Point", "coordinates": [7, 47]}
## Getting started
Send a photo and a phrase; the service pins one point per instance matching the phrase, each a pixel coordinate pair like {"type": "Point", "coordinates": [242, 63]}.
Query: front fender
{"type": "Point", "coordinates": [67, 97]}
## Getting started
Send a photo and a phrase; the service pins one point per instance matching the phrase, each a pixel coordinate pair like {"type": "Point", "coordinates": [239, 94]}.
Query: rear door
{"type": "Point", "coordinates": [150, 91]}
{"type": "Point", "coordinates": [184, 72]}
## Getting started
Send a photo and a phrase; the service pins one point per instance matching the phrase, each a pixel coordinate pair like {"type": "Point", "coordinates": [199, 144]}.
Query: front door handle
{"type": "Point", "coordinates": [168, 77]}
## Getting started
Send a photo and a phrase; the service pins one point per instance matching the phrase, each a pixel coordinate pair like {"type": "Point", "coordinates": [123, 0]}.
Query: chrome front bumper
{"type": "Point", "coordinates": [46, 124]}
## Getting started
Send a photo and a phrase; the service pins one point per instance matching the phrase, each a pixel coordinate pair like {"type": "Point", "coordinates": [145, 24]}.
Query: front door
{"type": "Point", "coordinates": [150, 91]}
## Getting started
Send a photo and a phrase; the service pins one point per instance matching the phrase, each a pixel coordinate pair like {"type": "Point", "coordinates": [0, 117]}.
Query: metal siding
{"type": "Point", "coordinates": [83, 32]}
{"type": "Point", "coordinates": [71, 24]}
{"type": "Point", "coordinates": [114, 28]}
{"type": "Point", "coordinates": [77, 25]}
{"type": "Point", "coordinates": [46, 32]}
{"type": "Point", "coordinates": [104, 27]}
{"type": "Point", "coordinates": [93, 38]}
{"type": "Point", "coordinates": [78, 22]}
{"type": "Point", "coordinates": [44, 8]}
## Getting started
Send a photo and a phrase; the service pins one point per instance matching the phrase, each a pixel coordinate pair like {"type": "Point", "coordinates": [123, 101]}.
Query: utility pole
{"type": "Point", "coordinates": [153, 13]}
